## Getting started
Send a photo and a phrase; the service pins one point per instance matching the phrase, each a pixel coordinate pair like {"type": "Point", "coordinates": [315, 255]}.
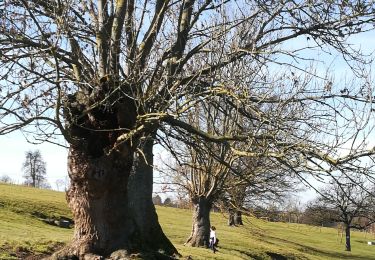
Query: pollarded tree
{"type": "Point", "coordinates": [109, 74]}
{"type": "Point", "coordinates": [201, 170]}
{"type": "Point", "coordinates": [202, 178]}
{"type": "Point", "coordinates": [34, 168]}
{"type": "Point", "coordinates": [209, 173]}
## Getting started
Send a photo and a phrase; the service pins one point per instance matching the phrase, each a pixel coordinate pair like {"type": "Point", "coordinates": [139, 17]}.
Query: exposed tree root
{"type": "Point", "coordinates": [69, 253]}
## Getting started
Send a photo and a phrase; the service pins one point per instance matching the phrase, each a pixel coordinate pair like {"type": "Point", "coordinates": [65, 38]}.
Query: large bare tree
{"type": "Point", "coordinates": [106, 75]}
{"type": "Point", "coordinates": [210, 173]}
{"type": "Point", "coordinates": [201, 169]}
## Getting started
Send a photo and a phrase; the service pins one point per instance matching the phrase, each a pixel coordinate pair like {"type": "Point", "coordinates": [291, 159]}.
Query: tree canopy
{"type": "Point", "coordinates": [65, 65]}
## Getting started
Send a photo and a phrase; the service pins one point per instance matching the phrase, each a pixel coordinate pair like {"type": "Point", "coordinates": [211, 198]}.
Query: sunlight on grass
{"type": "Point", "coordinates": [21, 229]}
{"type": "Point", "coordinates": [259, 239]}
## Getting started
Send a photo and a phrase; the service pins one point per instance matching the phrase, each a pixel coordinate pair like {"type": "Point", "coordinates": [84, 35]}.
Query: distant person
{"type": "Point", "coordinates": [213, 240]}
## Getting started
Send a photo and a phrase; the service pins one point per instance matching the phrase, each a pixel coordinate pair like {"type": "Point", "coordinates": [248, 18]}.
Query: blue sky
{"type": "Point", "coordinates": [12, 155]}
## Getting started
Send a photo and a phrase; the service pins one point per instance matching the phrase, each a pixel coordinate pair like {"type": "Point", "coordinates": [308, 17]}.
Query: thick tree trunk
{"type": "Point", "coordinates": [200, 233]}
{"type": "Point", "coordinates": [97, 198]}
{"type": "Point", "coordinates": [235, 218]}
{"type": "Point", "coordinates": [347, 238]}
{"type": "Point", "coordinates": [231, 218]}
{"type": "Point", "coordinates": [141, 206]}
{"type": "Point", "coordinates": [108, 217]}
{"type": "Point", "coordinates": [238, 217]}
{"type": "Point", "coordinates": [99, 166]}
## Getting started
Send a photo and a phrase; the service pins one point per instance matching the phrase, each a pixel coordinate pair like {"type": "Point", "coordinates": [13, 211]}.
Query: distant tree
{"type": "Point", "coordinates": [292, 209]}
{"type": "Point", "coordinates": [233, 202]}
{"type": "Point", "coordinates": [5, 179]}
{"type": "Point", "coordinates": [157, 200]}
{"type": "Point", "coordinates": [168, 202]}
{"type": "Point", "coordinates": [318, 214]}
{"type": "Point", "coordinates": [255, 182]}
{"type": "Point", "coordinates": [34, 168]}
{"type": "Point", "coordinates": [183, 202]}
{"type": "Point", "coordinates": [59, 184]}
{"type": "Point", "coordinates": [353, 201]}
{"type": "Point", "coordinates": [62, 184]}
{"type": "Point", "coordinates": [45, 185]}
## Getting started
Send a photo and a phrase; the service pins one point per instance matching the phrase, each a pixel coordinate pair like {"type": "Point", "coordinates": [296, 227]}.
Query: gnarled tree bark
{"type": "Point", "coordinates": [200, 233]}
{"type": "Point", "coordinates": [235, 217]}
{"type": "Point", "coordinates": [99, 166]}
{"type": "Point", "coordinates": [97, 199]}
{"type": "Point", "coordinates": [231, 218]}
{"type": "Point", "coordinates": [238, 218]}
{"type": "Point", "coordinates": [143, 211]}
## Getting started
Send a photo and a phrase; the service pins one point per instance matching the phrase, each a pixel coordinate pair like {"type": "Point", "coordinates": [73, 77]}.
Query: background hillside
{"type": "Point", "coordinates": [24, 232]}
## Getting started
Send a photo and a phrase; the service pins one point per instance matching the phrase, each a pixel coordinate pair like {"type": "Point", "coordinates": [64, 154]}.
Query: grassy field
{"type": "Point", "coordinates": [23, 233]}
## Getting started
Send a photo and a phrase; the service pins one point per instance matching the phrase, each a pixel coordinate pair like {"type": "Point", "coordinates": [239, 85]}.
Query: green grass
{"type": "Point", "coordinates": [259, 239]}
{"type": "Point", "coordinates": [22, 231]}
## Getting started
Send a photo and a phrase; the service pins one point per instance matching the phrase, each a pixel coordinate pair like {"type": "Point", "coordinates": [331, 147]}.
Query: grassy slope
{"type": "Point", "coordinates": [20, 230]}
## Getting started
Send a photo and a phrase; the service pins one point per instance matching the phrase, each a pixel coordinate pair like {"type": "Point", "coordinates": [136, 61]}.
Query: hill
{"type": "Point", "coordinates": [24, 233]}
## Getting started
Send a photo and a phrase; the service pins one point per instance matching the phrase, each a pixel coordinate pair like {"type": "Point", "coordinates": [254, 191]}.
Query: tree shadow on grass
{"type": "Point", "coordinates": [268, 255]}
{"type": "Point", "coordinates": [275, 256]}
{"type": "Point", "coordinates": [313, 250]}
